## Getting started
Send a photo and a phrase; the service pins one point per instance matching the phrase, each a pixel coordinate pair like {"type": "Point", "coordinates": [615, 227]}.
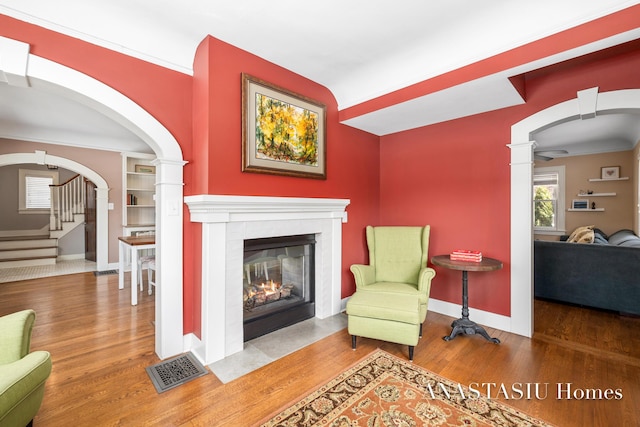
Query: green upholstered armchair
{"type": "Point", "coordinates": [397, 263]}
{"type": "Point", "coordinates": [22, 374]}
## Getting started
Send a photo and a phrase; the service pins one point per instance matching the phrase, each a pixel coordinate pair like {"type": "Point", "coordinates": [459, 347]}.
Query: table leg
{"type": "Point", "coordinates": [464, 325]}
{"type": "Point", "coordinates": [121, 253]}
{"type": "Point", "coordinates": [134, 276]}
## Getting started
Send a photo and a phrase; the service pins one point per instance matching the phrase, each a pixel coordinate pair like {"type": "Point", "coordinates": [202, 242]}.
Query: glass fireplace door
{"type": "Point", "coordinates": [278, 283]}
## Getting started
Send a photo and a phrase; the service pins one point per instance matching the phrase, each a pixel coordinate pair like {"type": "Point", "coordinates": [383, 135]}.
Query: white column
{"type": "Point", "coordinates": [521, 231]}
{"type": "Point", "coordinates": [214, 307]}
{"type": "Point", "coordinates": [169, 225]}
{"type": "Point", "coordinates": [329, 298]}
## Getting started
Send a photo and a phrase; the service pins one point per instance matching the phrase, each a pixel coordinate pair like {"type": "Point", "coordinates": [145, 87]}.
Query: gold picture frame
{"type": "Point", "coordinates": [283, 133]}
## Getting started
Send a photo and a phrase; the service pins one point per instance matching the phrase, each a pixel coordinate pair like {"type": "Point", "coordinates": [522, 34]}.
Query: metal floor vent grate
{"type": "Point", "coordinates": [174, 372]}
{"type": "Point", "coordinates": [105, 272]}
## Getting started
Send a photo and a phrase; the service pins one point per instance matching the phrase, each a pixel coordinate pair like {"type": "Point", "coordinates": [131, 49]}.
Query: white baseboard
{"type": "Point", "coordinates": [70, 257]}
{"type": "Point", "coordinates": [343, 304]}
{"type": "Point", "coordinates": [492, 320]}
{"type": "Point", "coordinates": [484, 318]}
{"type": "Point", "coordinates": [192, 343]}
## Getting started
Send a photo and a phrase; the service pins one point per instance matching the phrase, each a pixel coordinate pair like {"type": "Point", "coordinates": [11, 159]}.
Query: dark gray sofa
{"type": "Point", "coordinates": [604, 274]}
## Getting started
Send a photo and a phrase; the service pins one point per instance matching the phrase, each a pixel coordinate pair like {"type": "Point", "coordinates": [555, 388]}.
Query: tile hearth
{"type": "Point", "coordinates": [268, 348]}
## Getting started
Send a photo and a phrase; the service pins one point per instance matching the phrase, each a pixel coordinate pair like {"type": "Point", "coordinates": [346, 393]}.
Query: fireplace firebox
{"type": "Point", "coordinates": [278, 283]}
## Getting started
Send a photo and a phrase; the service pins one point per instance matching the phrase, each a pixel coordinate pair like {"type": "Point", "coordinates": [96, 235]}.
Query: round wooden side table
{"type": "Point", "coordinates": [464, 325]}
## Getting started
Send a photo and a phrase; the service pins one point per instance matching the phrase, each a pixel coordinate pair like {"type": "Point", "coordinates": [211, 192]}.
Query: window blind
{"type": "Point", "coordinates": [38, 195]}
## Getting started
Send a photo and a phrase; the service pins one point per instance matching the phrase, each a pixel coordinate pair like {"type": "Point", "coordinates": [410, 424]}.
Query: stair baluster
{"type": "Point", "coordinates": [67, 199]}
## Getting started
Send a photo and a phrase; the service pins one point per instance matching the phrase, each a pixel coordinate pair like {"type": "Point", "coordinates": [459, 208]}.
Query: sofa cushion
{"type": "Point", "coordinates": [582, 235]}
{"type": "Point", "coordinates": [624, 238]}
{"type": "Point", "coordinates": [392, 307]}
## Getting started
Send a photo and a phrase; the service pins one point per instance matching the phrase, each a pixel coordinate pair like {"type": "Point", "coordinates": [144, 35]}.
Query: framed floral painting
{"type": "Point", "coordinates": [283, 133]}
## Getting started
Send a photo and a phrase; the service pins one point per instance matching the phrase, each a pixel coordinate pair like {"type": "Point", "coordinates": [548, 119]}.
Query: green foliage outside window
{"type": "Point", "coordinates": [543, 207]}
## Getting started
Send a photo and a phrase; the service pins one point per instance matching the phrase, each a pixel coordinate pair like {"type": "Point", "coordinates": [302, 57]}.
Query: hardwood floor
{"type": "Point", "coordinates": [100, 346]}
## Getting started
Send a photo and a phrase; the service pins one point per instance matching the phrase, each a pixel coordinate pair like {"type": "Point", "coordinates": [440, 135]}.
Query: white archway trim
{"type": "Point", "coordinates": [52, 77]}
{"type": "Point", "coordinates": [55, 78]}
{"type": "Point", "coordinates": [102, 191]}
{"type": "Point", "coordinates": [621, 101]}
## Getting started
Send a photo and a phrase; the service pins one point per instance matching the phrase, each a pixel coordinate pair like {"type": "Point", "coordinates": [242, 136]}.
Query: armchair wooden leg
{"type": "Point", "coordinates": [420, 335]}
{"type": "Point", "coordinates": [411, 353]}
{"type": "Point", "coordinates": [353, 342]}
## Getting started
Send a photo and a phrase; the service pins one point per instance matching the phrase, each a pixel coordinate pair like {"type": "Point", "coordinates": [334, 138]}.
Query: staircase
{"type": "Point", "coordinates": [67, 212]}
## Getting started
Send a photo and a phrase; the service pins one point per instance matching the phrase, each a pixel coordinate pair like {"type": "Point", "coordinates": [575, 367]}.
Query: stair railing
{"type": "Point", "coordinates": [67, 199]}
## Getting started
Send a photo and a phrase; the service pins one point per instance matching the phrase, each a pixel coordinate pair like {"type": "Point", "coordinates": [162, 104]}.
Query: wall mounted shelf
{"type": "Point", "coordinates": [624, 178]}
{"type": "Point", "coordinates": [586, 210]}
{"type": "Point", "coordinates": [596, 195]}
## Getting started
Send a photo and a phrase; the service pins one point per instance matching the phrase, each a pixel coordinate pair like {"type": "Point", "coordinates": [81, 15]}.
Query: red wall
{"type": "Point", "coordinates": [352, 155]}
{"type": "Point", "coordinates": [455, 175]}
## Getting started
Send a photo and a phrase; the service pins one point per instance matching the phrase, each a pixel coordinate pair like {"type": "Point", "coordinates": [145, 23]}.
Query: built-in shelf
{"type": "Point", "coordinates": [138, 195]}
{"type": "Point", "coordinates": [586, 210]}
{"type": "Point", "coordinates": [624, 178]}
{"type": "Point", "coordinates": [597, 195]}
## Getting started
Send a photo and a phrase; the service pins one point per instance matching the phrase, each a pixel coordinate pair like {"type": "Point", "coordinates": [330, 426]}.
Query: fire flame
{"type": "Point", "coordinates": [269, 288]}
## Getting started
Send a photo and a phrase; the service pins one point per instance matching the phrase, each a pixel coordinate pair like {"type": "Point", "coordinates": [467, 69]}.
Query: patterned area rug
{"type": "Point", "coordinates": [383, 390]}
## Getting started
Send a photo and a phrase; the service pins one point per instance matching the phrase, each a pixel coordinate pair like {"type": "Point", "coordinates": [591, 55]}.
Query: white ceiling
{"type": "Point", "coordinates": [358, 49]}
{"type": "Point", "coordinates": [601, 134]}
{"type": "Point", "coordinates": [30, 114]}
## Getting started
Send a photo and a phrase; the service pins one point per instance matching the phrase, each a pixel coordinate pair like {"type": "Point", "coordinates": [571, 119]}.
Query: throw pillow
{"type": "Point", "coordinates": [599, 238]}
{"type": "Point", "coordinates": [582, 235]}
{"type": "Point", "coordinates": [602, 233]}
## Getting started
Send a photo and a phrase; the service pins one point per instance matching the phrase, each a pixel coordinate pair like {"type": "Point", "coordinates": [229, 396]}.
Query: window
{"type": "Point", "coordinates": [548, 200]}
{"type": "Point", "coordinates": [35, 195]}
{"type": "Point", "coordinates": [38, 194]}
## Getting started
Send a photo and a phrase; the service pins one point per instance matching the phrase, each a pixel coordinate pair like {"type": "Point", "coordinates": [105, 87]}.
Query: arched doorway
{"type": "Point", "coordinates": [521, 201]}
{"type": "Point", "coordinates": [101, 193]}
{"type": "Point", "coordinates": [20, 68]}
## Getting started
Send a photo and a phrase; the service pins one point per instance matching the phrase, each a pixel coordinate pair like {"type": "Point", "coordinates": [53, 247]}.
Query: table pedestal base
{"type": "Point", "coordinates": [464, 325]}
{"type": "Point", "coordinates": [468, 327]}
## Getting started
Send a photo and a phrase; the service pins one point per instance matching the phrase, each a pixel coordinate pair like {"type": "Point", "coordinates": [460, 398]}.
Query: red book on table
{"type": "Point", "coordinates": [466, 255]}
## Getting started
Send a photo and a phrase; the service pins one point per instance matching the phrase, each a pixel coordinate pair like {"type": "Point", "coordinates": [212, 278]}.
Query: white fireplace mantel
{"type": "Point", "coordinates": [214, 208]}
{"type": "Point", "coordinates": [227, 221]}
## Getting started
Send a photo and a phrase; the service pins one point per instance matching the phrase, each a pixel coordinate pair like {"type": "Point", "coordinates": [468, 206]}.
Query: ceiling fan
{"type": "Point", "coordinates": [546, 155]}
